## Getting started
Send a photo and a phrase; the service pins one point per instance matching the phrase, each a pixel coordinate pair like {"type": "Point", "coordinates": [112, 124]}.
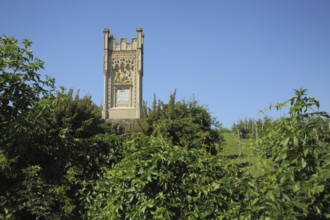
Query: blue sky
{"type": "Point", "coordinates": [234, 56]}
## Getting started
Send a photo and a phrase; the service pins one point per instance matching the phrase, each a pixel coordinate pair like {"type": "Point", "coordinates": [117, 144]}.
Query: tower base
{"type": "Point", "coordinates": [126, 126]}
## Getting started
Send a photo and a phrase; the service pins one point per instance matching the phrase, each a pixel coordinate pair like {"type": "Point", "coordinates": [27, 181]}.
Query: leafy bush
{"type": "Point", "coordinates": [299, 184]}
{"type": "Point", "coordinates": [44, 168]}
{"type": "Point", "coordinates": [156, 180]}
{"type": "Point", "coordinates": [67, 114]}
{"type": "Point", "coordinates": [183, 124]}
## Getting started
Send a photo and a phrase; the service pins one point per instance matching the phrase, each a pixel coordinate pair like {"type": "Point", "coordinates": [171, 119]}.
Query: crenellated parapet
{"type": "Point", "coordinates": [123, 44]}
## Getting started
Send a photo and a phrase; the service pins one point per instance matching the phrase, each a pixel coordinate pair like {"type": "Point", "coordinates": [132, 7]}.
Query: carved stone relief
{"type": "Point", "coordinates": [123, 67]}
{"type": "Point", "coordinates": [123, 77]}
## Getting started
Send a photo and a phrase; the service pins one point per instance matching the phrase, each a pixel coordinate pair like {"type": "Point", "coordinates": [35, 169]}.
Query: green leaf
{"type": "Point", "coordinates": [286, 142]}
{"type": "Point", "coordinates": [303, 162]}
{"type": "Point", "coordinates": [295, 141]}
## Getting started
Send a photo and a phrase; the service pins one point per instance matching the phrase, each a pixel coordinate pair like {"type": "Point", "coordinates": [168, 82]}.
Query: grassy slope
{"type": "Point", "coordinates": [241, 151]}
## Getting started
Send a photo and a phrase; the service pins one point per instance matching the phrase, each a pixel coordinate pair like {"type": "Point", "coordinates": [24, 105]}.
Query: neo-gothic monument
{"type": "Point", "coordinates": [123, 72]}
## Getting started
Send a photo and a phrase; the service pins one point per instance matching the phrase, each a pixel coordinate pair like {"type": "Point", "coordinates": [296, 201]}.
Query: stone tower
{"type": "Point", "coordinates": [123, 72]}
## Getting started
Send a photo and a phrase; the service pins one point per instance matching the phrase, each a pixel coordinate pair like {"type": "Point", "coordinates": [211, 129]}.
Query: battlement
{"type": "Point", "coordinates": [123, 44]}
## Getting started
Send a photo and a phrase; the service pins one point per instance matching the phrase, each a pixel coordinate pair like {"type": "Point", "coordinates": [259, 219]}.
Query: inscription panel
{"type": "Point", "coordinates": [123, 95]}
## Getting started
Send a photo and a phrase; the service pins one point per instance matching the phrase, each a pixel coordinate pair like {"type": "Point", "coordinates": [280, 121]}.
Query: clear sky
{"type": "Point", "coordinates": [234, 56]}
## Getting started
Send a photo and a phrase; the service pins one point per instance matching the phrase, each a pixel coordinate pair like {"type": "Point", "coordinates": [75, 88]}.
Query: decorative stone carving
{"type": "Point", "coordinates": [123, 59]}
{"type": "Point", "coordinates": [123, 77]}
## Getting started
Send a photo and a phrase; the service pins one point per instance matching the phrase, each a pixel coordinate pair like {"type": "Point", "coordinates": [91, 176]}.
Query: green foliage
{"type": "Point", "coordinates": [183, 124]}
{"type": "Point", "coordinates": [44, 171]}
{"type": "Point", "coordinates": [87, 162]}
{"type": "Point", "coordinates": [156, 180]}
{"type": "Point", "coordinates": [21, 87]}
{"type": "Point", "coordinates": [20, 84]}
{"type": "Point", "coordinates": [58, 187]}
{"type": "Point", "coordinates": [251, 128]}
{"type": "Point", "coordinates": [67, 114]}
{"type": "Point", "coordinates": [55, 163]}
{"type": "Point", "coordinates": [296, 140]}
{"type": "Point", "coordinates": [298, 148]}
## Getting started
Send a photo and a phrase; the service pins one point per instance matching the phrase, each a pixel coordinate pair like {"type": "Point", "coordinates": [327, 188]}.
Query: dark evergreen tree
{"type": "Point", "coordinates": [183, 124]}
{"type": "Point", "coordinates": [68, 114]}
